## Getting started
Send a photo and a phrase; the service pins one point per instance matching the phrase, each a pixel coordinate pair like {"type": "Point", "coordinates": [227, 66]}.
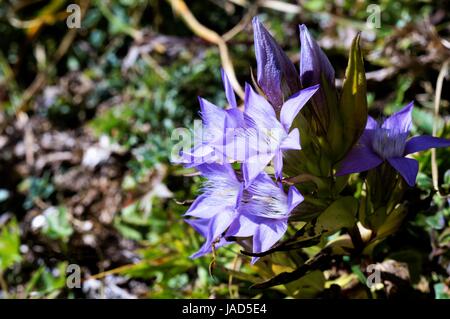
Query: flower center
{"type": "Point", "coordinates": [389, 143]}
{"type": "Point", "coordinates": [266, 201]}
{"type": "Point", "coordinates": [222, 191]}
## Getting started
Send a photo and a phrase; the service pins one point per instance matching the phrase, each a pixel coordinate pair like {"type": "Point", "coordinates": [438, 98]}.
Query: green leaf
{"type": "Point", "coordinates": [309, 286]}
{"type": "Point", "coordinates": [353, 102]}
{"type": "Point", "coordinates": [9, 245]}
{"type": "Point", "coordinates": [57, 224]}
{"type": "Point", "coordinates": [441, 291]}
{"type": "Point", "coordinates": [340, 214]}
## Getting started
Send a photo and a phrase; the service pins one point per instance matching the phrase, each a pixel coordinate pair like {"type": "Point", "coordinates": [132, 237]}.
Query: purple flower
{"type": "Point", "coordinates": [264, 213]}
{"type": "Point", "coordinates": [276, 74]}
{"type": "Point", "coordinates": [267, 137]}
{"type": "Point", "coordinates": [389, 142]}
{"type": "Point", "coordinates": [217, 207]}
{"type": "Point", "coordinates": [226, 210]}
{"type": "Point", "coordinates": [315, 66]}
{"type": "Point", "coordinates": [210, 140]}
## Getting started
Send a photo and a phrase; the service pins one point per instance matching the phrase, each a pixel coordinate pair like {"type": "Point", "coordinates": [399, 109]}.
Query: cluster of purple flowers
{"type": "Point", "coordinates": [248, 203]}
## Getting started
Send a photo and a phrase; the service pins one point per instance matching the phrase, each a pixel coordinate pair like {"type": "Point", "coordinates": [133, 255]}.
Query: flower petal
{"type": "Point", "coordinates": [243, 226]}
{"type": "Point", "coordinates": [292, 141]}
{"type": "Point", "coordinates": [198, 155]}
{"type": "Point", "coordinates": [274, 68]}
{"type": "Point", "coordinates": [212, 170]}
{"type": "Point", "coordinates": [371, 123]}
{"type": "Point", "coordinates": [407, 167]}
{"type": "Point", "coordinates": [215, 228]}
{"type": "Point", "coordinates": [361, 158]}
{"type": "Point", "coordinates": [401, 120]}
{"type": "Point", "coordinates": [424, 142]}
{"type": "Point", "coordinates": [258, 112]}
{"type": "Point", "coordinates": [294, 198]}
{"type": "Point", "coordinates": [234, 119]}
{"type": "Point", "coordinates": [267, 234]}
{"type": "Point", "coordinates": [212, 115]}
{"type": "Point", "coordinates": [254, 166]}
{"type": "Point", "coordinates": [207, 250]}
{"type": "Point", "coordinates": [231, 97]}
{"type": "Point", "coordinates": [291, 107]}
{"type": "Point", "coordinates": [201, 208]}
{"type": "Point", "coordinates": [278, 164]}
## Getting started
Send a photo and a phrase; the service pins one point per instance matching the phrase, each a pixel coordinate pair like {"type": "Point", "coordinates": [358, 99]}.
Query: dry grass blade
{"type": "Point", "coordinates": [180, 7]}
{"type": "Point", "coordinates": [437, 102]}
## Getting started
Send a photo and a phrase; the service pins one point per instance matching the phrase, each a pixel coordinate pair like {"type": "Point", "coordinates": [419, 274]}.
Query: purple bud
{"type": "Point", "coordinates": [276, 74]}
{"type": "Point", "coordinates": [315, 66]}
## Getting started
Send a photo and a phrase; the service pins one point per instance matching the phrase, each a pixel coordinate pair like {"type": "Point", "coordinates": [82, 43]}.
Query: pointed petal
{"type": "Point", "coordinates": [274, 68]}
{"type": "Point", "coordinates": [361, 158]}
{"type": "Point", "coordinates": [278, 164]}
{"type": "Point", "coordinates": [243, 226]}
{"type": "Point", "coordinates": [291, 107]}
{"type": "Point", "coordinates": [211, 114]}
{"type": "Point", "coordinates": [201, 208]}
{"type": "Point", "coordinates": [371, 123]}
{"type": "Point", "coordinates": [199, 224]}
{"type": "Point", "coordinates": [258, 112]}
{"type": "Point", "coordinates": [199, 151]}
{"type": "Point", "coordinates": [215, 228]}
{"type": "Point", "coordinates": [294, 197]}
{"type": "Point", "coordinates": [424, 142]}
{"type": "Point", "coordinates": [401, 120]}
{"type": "Point", "coordinates": [292, 141]}
{"type": "Point", "coordinates": [235, 118]}
{"type": "Point", "coordinates": [212, 170]}
{"type": "Point", "coordinates": [407, 167]}
{"type": "Point", "coordinates": [254, 166]}
{"type": "Point", "coordinates": [208, 249]}
{"type": "Point", "coordinates": [268, 233]}
{"type": "Point", "coordinates": [218, 224]}
{"type": "Point", "coordinates": [231, 97]}
{"type": "Point", "coordinates": [199, 154]}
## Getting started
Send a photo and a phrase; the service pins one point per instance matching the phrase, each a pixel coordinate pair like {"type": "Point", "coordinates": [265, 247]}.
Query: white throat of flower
{"type": "Point", "coordinates": [266, 200]}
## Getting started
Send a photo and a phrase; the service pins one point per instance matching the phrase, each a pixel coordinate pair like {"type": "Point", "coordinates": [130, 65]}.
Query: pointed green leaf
{"type": "Point", "coordinates": [353, 102]}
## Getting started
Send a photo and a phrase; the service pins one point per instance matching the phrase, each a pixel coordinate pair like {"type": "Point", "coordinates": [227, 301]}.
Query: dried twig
{"type": "Point", "coordinates": [242, 24]}
{"type": "Point", "coordinates": [41, 78]}
{"type": "Point", "coordinates": [180, 7]}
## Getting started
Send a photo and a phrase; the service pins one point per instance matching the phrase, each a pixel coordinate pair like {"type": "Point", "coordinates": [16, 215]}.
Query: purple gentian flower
{"type": "Point", "coordinates": [226, 210]}
{"type": "Point", "coordinates": [209, 144]}
{"type": "Point", "coordinates": [389, 142]}
{"type": "Point", "coordinates": [276, 74]}
{"type": "Point", "coordinates": [217, 207]}
{"type": "Point", "coordinates": [264, 213]}
{"type": "Point", "coordinates": [313, 65]}
{"type": "Point", "coordinates": [266, 136]}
